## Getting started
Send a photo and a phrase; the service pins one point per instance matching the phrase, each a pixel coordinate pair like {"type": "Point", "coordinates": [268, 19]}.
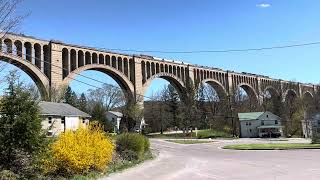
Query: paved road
{"type": "Point", "coordinates": [209, 161]}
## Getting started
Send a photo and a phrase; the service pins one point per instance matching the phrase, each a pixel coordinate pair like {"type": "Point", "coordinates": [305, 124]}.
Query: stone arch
{"type": "Point", "coordinates": [253, 95]}
{"type": "Point", "coordinates": [273, 92]}
{"type": "Point", "coordinates": [289, 94]}
{"type": "Point", "coordinates": [40, 79]}
{"type": "Point", "coordinates": [120, 64]}
{"type": "Point", "coordinates": [125, 84]}
{"type": "Point", "coordinates": [218, 87]}
{"type": "Point", "coordinates": [28, 51]}
{"type": "Point", "coordinates": [7, 46]}
{"type": "Point", "coordinates": [108, 62]}
{"type": "Point", "coordinates": [173, 80]}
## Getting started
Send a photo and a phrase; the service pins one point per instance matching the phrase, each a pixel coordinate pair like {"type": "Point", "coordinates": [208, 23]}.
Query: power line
{"type": "Point", "coordinates": [215, 51]}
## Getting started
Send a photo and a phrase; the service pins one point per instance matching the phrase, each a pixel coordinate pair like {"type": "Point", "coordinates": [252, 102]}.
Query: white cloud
{"type": "Point", "coordinates": [264, 5]}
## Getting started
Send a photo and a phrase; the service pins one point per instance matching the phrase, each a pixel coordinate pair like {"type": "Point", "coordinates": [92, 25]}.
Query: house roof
{"type": "Point", "coordinates": [249, 116]}
{"type": "Point", "coordinates": [60, 109]}
{"type": "Point", "coordinates": [119, 114]}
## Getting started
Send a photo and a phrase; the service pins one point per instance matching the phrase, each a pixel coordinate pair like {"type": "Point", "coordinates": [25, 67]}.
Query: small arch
{"type": "Point", "coordinates": [101, 59]}
{"type": "Point", "coordinates": [80, 58]}
{"type": "Point", "coordinates": [65, 62]}
{"type": "Point", "coordinates": [143, 68]}
{"type": "Point", "coordinates": [18, 47]}
{"type": "Point", "coordinates": [28, 51]}
{"type": "Point", "coordinates": [46, 61]}
{"type": "Point", "coordinates": [153, 70]}
{"type": "Point", "coordinates": [170, 69]}
{"type": "Point", "coordinates": [8, 46]}
{"type": "Point", "coordinates": [120, 64]}
{"type": "Point", "coordinates": [94, 58]}
{"type": "Point", "coordinates": [131, 70]}
{"type": "Point", "coordinates": [108, 63]}
{"type": "Point", "coordinates": [166, 68]}
{"type": "Point", "coordinates": [37, 54]}
{"type": "Point", "coordinates": [174, 70]}
{"type": "Point", "coordinates": [73, 60]}
{"type": "Point", "coordinates": [126, 68]}
{"type": "Point", "coordinates": [114, 62]}
{"type": "Point", "coordinates": [148, 70]}
{"type": "Point", "coordinates": [161, 68]}
{"type": "Point", "coordinates": [88, 58]}
{"type": "Point", "coordinates": [157, 68]}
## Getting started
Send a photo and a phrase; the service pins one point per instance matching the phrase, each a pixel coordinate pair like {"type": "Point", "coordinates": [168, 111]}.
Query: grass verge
{"type": "Point", "coordinates": [202, 134]}
{"type": "Point", "coordinates": [274, 146]}
{"type": "Point", "coordinates": [188, 141]}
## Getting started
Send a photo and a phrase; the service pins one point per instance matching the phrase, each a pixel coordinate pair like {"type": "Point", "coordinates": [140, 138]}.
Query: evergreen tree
{"type": "Point", "coordinates": [82, 103]}
{"type": "Point", "coordinates": [70, 97]}
{"type": "Point", "coordinates": [20, 125]}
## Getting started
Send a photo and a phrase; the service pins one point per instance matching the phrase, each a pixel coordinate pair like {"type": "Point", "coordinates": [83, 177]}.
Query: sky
{"type": "Point", "coordinates": [188, 25]}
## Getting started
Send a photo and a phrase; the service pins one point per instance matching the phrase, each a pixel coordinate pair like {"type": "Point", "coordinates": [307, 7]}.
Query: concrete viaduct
{"type": "Point", "coordinates": [54, 63]}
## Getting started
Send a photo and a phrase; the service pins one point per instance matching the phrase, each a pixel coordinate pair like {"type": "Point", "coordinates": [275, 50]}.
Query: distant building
{"type": "Point", "coordinates": [59, 117]}
{"type": "Point", "coordinates": [259, 124]}
{"type": "Point", "coordinates": [115, 117]}
{"type": "Point", "coordinates": [311, 125]}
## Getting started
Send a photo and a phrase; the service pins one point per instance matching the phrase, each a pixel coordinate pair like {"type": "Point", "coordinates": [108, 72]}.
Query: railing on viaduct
{"type": "Point", "coordinates": [54, 63]}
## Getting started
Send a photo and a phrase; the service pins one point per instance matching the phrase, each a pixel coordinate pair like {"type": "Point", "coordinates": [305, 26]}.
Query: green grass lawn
{"type": "Point", "coordinates": [273, 146]}
{"type": "Point", "coordinates": [188, 141]}
{"type": "Point", "coordinates": [202, 134]}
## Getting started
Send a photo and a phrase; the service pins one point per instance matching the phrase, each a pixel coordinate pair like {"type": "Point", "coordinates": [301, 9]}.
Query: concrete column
{"type": "Point", "coordinates": [56, 65]}
{"type": "Point", "coordinates": [42, 59]}
{"type": "Point", "coordinates": [229, 84]}
{"type": "Point", "coordinates": [260, 93]}
{"type": "Point", "coordinates": [138, 86]}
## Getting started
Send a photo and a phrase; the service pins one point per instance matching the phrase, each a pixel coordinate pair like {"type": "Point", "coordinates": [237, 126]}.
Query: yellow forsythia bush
{"type": "Point", "coordinates": [80, 151]}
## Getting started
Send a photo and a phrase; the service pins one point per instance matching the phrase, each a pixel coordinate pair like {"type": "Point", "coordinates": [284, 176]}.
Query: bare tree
{"type": "Point", "coordinates": [9, 22]}
{"type": "Point", "coordinates": [109, 95]}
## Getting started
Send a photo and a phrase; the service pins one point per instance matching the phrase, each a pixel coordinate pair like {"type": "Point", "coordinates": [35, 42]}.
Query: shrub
{"type": "Point", "coordinates": [8, 175]}
{"type": "Point", "coordinates": [79, 152]}
{"type": "Point", "coordinates": [132, 146]}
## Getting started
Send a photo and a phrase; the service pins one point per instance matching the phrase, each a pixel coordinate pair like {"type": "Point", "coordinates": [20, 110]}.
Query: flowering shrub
{"type": "Point", "coordinates": [79, 152]}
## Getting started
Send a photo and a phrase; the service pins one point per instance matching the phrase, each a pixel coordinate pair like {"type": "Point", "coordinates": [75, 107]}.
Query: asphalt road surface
{"type": "Point", "coordinates": [209, 161]}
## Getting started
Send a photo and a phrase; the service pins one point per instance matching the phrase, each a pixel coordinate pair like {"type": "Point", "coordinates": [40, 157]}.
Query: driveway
{"type": "Point", "coordinates": [209, 161]}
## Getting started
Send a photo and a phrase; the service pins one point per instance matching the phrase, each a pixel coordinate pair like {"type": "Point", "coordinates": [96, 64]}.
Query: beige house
{"type": "Point", "coordinates": [59, 117]}
{"type": "Point", "coordinates": [259, 124]}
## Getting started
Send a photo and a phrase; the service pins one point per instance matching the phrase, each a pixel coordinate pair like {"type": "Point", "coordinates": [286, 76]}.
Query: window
{"type": "Point", "coordinates": [63, 120]}
{"type": "Point", "coordinates": [276, 122]}
{"type": "Point", "coordinates": [83, 121]}
{"type": "Point", "coordinates": [262, 123]}
{"type": "Point", "coordinates": [249, 123]}
{"type": "Point", "coordinates": [267, 116]}
{"type": "Point", "coordinates": [50, 120]}
{"type": "Point", "coordinates": [250, 130]}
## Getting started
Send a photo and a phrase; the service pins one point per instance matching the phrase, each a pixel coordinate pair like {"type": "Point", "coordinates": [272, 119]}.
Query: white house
{"type": "Point", "coordinates": [58, 117]}
{"type": "Point", "coordinates": [115, 118]}
{"type": "Point", "coordinates": [311, 125]}
{"type": "Point", "coordinates": [259, 124]}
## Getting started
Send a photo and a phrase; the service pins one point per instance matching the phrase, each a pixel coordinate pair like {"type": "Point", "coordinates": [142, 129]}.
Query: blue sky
{"type": "Point", "coordinates": [183, 25]}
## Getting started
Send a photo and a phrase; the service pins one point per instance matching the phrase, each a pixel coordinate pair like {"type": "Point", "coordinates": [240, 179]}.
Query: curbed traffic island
{"type": "Point", "coordinates": [273, 146]}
